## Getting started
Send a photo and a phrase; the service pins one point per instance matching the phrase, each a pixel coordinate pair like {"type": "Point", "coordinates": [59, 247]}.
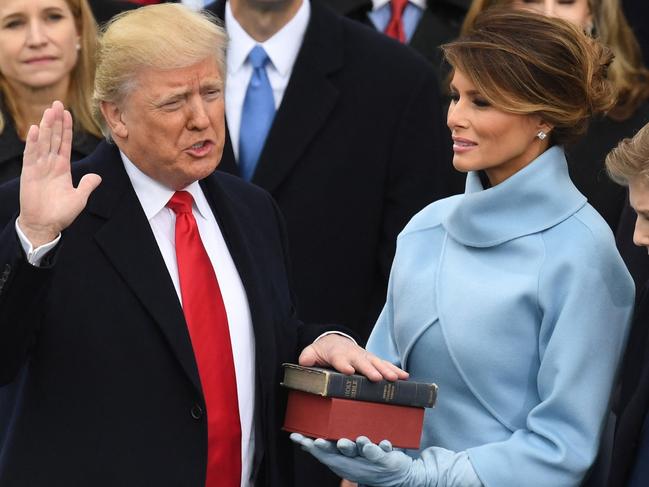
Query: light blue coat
{"type": "Point", "coordinates": [514, 300]}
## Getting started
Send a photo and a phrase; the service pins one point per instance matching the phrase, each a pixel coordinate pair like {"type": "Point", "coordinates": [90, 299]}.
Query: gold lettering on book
{"type": "Point", "coordinates": [388, 392]}
{"type": "Point", "coordinates": [351, 388]}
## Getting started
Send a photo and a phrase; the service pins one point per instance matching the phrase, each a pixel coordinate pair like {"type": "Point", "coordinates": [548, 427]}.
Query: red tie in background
{"type": "Point", "coordinates": [208, 328]}
{"type": "Point", "coordinates": [146, 2]}
{"type": "Point", "coordinates": [395, 26]}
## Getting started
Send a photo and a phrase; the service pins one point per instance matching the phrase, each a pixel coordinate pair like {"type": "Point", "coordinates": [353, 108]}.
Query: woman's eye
{"type": "Point", "coordinates": [455, 97]}
{"type": "Point", "coordinates": [481, 103]}
{"type": "Point", "coordinates": [12, 24]}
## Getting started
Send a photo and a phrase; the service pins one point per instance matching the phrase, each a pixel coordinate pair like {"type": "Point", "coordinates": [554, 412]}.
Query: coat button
{"type": "Point", "coordinates": [197, 412]}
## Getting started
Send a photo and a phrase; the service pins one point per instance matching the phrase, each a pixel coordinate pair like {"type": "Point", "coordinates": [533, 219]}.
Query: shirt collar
{"type": "Point", "coordinates": [282, 48]}
{"type": "Point", "coordinates": [377, 4]}
{"type": "Point", "coordinates": [537, 197]}
{"type": "Point", "coordinates": [154, 195]}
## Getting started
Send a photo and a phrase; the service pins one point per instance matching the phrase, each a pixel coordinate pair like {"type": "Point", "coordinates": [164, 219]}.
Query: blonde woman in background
{"type": "Point", "coordinates": [47, 53]}
{"type": "Point", "coordinates": [604, 20]}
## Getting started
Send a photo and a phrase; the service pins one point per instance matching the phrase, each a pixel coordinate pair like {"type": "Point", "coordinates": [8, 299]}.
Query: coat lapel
{"type": "Point", "coordinates": [128, 243]}
{"type": "Point", "coordinates": [309, 99]}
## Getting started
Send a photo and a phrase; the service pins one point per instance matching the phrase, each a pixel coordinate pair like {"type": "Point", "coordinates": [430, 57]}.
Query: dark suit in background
{"type": "Point", "coordinates": [104, 10]}
{"type": "Point", "coordinates": [634, 397]}
{"type": "Point", "coordinates": [440, 22]}
{"type": "Point", "coordinates": [356, 148]}
{"type": "Point", "coordinates": [104, 389]}
{"type": "Point", "coordinates": [637, 13]}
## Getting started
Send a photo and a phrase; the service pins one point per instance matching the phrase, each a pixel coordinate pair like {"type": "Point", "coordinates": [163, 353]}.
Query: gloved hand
{"type": "Point", "coordinates": [364, 462]}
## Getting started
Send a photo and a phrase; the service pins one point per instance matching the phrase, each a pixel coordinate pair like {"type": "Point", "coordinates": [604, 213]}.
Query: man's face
{"type": "Point", "coordinates": [639, 198]}
{"type": "Point", "coordinates": [171, 125]}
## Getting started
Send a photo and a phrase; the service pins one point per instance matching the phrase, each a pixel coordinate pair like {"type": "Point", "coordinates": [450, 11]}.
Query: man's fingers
{"type": "Point", "coordinates": [57, 129]}
{"type": "Point", "coordinates": [87, 185]}
{"type": "Point", "coordinates": [66, 139]}
{"type": "Point", "coordinates": [308, 357]}
{"type": "Point", "coordinates": [45, 133]}
{"type": "Point", "coordinates": [30, 154]}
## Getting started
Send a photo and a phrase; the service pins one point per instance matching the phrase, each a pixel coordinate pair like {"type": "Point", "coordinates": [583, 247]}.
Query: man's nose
{"type": "Point", "coordinates": [198, 116]}
{"type": "Point", "coordinates": [641, 233]}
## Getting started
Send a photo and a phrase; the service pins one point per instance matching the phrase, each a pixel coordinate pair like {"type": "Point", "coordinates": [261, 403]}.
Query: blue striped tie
{"type": "Point", "coordinates": [257, 114]}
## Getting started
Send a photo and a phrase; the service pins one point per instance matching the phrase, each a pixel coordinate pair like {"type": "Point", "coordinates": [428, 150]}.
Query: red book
{"type": "Point", "coordinates": [333, 418]}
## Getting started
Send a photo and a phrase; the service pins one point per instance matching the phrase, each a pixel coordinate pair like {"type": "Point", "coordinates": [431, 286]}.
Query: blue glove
{"type": "Point", "coordinates": [366, 463]}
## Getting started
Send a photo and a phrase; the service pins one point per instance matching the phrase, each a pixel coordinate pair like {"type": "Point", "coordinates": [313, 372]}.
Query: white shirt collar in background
{"type": "Point", "coordinates": [282, 48]}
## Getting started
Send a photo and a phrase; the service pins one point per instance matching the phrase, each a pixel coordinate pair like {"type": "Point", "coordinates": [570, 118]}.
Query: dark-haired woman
{"type": "Point", "coordinates": [512, 296]}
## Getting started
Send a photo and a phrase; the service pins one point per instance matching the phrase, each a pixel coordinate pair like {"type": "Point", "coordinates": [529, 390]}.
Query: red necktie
{"type": "Point", "coordinates": [145, 2]}
{"type": "Point", "coordinates": [208, 328]}
{"type": "Point", "coordinates": [395, 26]}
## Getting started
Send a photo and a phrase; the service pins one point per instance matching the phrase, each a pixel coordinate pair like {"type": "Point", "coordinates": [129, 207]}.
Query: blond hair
{"type": "Point", "coordinates": [627, 73]}
{"type": "Point", "coordinates": [630, 159]}
{"type": "Point", "coordinates": [554, 70]}
{"type": "Point", "coordinates": [163, 36]}
{"type": "Point", "coordinates": [82, 76]}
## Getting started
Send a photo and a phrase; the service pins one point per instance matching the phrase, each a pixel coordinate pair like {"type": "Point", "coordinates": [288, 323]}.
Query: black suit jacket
{"type": "Point", "coordinates": [100, 383]}
{"type": "Point", "coordinates": [634, 397]}
{"type": "Point", "coordinates": [356, 148]}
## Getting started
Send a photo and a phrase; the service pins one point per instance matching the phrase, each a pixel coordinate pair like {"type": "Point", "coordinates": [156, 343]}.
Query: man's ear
{"type": "Point", "coordinates": [113, 116]}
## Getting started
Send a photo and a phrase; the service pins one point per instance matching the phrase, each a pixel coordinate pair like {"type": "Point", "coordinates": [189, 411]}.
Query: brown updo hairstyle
{"type": "Point", "coordinates": [526, 63]}
{"type": "Point", "coordinates": [610, 27]}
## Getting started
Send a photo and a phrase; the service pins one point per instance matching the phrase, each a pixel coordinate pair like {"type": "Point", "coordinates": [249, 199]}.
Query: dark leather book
{"type": "Point", "coordinates": [329, 383]}
{"type": "Point", "coordinates": [333, 418]}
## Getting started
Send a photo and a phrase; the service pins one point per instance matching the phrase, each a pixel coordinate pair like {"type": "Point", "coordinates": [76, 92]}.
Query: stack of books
{"type": "Point", "coordinates": [323, 403]}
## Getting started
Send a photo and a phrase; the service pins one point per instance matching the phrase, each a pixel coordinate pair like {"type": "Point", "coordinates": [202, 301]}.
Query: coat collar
{"type": "Point", "coordinates": [532, 200]}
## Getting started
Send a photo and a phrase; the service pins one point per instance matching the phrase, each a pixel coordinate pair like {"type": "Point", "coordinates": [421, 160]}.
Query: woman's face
{"type": "Point", "coordinates": [574, 11]}
{"type": "Point", "coordinates": [38, 42]}
{"type": "Point", "coordinates": [489, 139]}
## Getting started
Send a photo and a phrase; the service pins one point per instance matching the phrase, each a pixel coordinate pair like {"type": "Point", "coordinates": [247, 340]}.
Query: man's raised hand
{"type": "Point", "coordinates": [49, 202]}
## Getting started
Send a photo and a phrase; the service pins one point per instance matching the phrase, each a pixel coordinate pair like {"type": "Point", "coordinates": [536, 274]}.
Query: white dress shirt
{"type": "Point", "coordinates": [282, 49]}
{"type": "Point", "coordinates": [153, 197]}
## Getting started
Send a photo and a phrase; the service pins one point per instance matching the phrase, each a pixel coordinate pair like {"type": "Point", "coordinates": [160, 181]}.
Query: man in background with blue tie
{"type": "Point", "coordinates": [344, 128]}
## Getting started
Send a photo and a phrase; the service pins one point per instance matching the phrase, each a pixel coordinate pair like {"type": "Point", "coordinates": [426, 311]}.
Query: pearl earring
{"type": "Point", "coordinates": [541, 135]}
{"type": "Point", "coordinates": [78, 46]}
